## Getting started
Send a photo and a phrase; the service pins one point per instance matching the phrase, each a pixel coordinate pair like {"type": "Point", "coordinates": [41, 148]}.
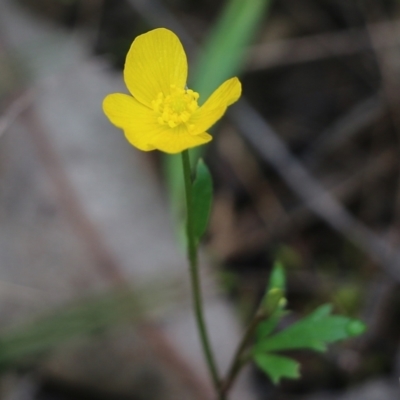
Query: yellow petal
{"type": "Point", "coordinates": [155, 61]}
{"type": "Point", "coordinates": [142, 129]}
{"type": "Point", "coordinates": [178, 139]}
{"type": "Point", "coordinates": [138, 121]}
{"type": "Point", "coordinates": [215, 106]}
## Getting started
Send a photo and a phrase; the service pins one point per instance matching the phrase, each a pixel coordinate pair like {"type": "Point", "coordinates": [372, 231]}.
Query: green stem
{"type": "Point", "coordinates": [239, 359]}
{"type": "Point", "coordinates": [194, 276]}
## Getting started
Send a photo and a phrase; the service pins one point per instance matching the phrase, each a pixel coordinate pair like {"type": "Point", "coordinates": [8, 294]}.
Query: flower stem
{"type": "Point", "coordinates": [194, 276]}
{"type": "Point", "coordinates": [239, 359]}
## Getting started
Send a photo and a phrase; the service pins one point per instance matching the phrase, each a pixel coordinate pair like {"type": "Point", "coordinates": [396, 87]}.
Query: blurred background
{"type": "Point", "coordinates": [94, 298]}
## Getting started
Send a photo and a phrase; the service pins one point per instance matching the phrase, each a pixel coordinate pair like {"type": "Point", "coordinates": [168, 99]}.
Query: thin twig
{"type": "Point", "coordinates": [321, 46]}
{"type": "Point", "coordinates": [105, 260]}
{"type": "Point", "coordinates": [14, 110]}
{"type": "Point", "coordinates": [237, 361]}
{"type": "Point", "coordinates": [362, 115]}
{"type": "Point", "coordinates": [387, 63]}
{"type": "Point", "coordinates": [268, 145]}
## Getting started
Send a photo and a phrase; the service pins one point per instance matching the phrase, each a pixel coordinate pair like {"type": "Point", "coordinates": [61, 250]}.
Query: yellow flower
{"type": "Point", "coordinates": [162, 112]}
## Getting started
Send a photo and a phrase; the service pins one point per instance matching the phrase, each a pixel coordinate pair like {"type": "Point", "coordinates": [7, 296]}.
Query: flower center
{"type": "Point", "coordinates": [176, 107]}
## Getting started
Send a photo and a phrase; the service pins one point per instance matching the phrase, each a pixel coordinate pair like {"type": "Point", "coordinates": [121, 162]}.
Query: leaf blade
{"type": "Point", "coordinates": [277, 367]}
{"type": "Point", "coordinates": [234, 30]}
{"type": "Point", "coordinates": [312, 332]}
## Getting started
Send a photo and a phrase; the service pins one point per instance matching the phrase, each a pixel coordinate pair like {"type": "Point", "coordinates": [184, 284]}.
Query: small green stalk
{"type": "Point", "coordinates": [195, 279]}
{"type": "Point", "coordinates": [240, 359]}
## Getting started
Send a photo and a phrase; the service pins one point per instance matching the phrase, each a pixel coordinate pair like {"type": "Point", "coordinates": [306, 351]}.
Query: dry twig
{"type": "Point", "coordinates": [273, 150]}
{"type": "Point", "coordinates": [318, 47]}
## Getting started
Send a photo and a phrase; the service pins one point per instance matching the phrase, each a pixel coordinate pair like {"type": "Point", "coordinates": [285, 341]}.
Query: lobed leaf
{"type": "Point", "coordinates": [312, 332]}
{"type": "Point", "coordinates": [277, 367]}
{"type": "Point", "coordinates": [266, 327]}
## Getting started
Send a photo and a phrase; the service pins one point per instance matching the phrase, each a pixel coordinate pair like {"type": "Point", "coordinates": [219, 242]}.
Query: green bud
{"type": "Point", "coordinates": [277, 278]}
{"type": "Point", "coordinates": [272, 300]}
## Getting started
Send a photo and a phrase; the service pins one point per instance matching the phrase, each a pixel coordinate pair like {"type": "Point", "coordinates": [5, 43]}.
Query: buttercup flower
{"type": "Point", "coordinates": [162, 112]}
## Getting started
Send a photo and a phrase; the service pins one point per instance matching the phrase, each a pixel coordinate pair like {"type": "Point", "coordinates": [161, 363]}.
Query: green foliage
{"type": "Point", "coordinates": [87, 317]}
{"type": "Point", "coordinates": [277, 367]}
{"type": "Point", "coordinates": [277, 278]}
{"type": "Point", "coordinates": [222, 57]}
{"type": "Point", "coordinates": [201, 199]}
{"type": "Point", "coordinates": [224, 50]}
{"type": "Point", "coordinates": [312, 332]}
{"type": "Point", "coordinates": [267, 326]}
{"type": "Point", "coordinates": [274, 302]}
{"type": "Point", "coordinates": [356, 328]}
{"type": "Point", "coordinates": [80, 319]}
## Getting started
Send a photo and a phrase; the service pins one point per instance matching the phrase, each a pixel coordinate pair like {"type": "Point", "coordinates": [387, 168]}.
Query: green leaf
{"type": "Point", "coordinates": [266, 327]}
{"type": "Point", "coordinates": [312, 332]}
{"type": "Point", "coordinates": [320, 312]}
{"type": "Point", "coordinates": [277, 367]}
{"type": "Point", "coordinates": [71, 321]}
{"type": "Point", "coordinates": [86, 317]}
{"type": "Point", "coordinates": [222, 57]}
{"type": "Point", "coordinates": [224, 50]}
{"type": "Point", "coordinates": [356, 328]}
{"type": "Point", "coordinates": [201, 199]}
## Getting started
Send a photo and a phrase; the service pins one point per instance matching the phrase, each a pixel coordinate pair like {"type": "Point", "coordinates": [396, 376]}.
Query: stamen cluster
{"type": "Point", "coordinates": [175, 108]}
